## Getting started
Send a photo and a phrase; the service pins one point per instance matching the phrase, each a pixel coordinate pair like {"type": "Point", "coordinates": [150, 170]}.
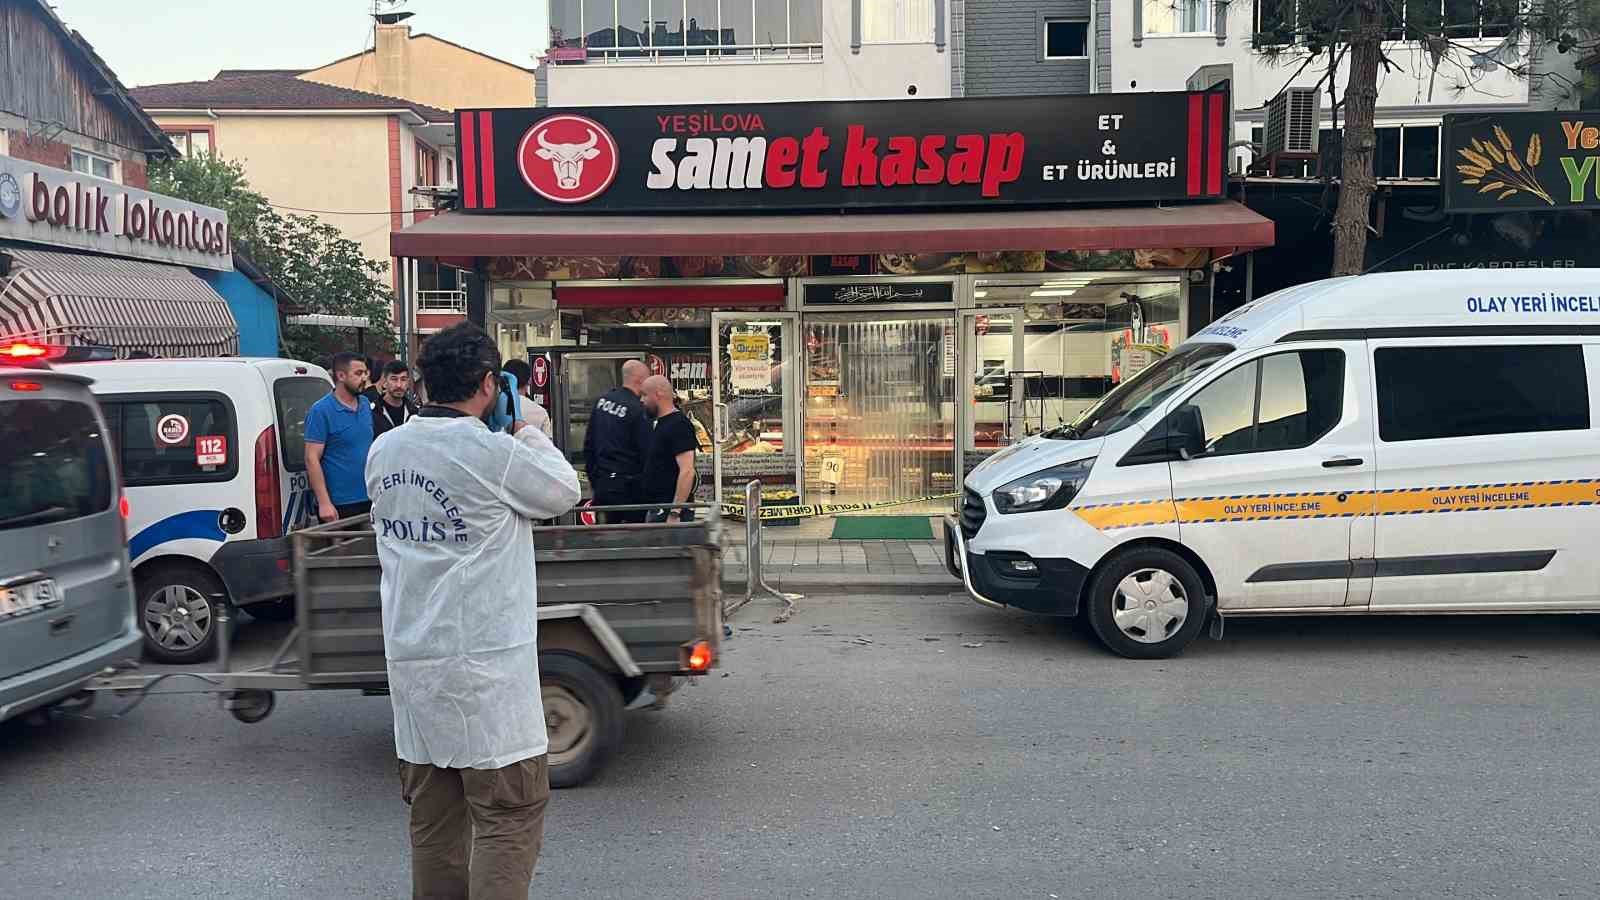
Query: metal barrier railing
{"type": "Point", "coordinates": [755, 574]}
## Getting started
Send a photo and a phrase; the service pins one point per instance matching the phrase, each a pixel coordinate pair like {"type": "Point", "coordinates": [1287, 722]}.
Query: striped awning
{"type": "Point", "coordinates": [80, 300]}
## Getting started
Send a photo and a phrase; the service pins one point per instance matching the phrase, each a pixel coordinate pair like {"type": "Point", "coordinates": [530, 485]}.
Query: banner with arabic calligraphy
{"type": "Point", "coordinates": [940, 293]}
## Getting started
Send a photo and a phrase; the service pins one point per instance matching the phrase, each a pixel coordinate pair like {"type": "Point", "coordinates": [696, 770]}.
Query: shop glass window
{"type": "Point", "coordinates": [152, 454]}
{"type": "Point", "coordinates": [1177, 16]}
{"type": "Point", "coordinates": [1423, 395]}
{"type": "Point", "coordinates": [93, 165]}
{"type": "Point", "coordinates": [1066, 39]}
{"type": "Point", "coordinates": [896, 21]}
{"type": "Point", "coordinates": [53, 460]}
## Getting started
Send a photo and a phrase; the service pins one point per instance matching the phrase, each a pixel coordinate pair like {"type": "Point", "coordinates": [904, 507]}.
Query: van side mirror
{"type": "Point", "coordinates": [1186, 433]}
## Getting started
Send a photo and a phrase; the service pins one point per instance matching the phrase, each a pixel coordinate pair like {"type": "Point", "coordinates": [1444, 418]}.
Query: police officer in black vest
{"type": "Point", "coordinates": [615, 445]}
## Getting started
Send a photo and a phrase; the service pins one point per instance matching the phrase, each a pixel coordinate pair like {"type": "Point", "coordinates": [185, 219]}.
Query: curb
{"type": "Point", "coordinates": [829, 586]}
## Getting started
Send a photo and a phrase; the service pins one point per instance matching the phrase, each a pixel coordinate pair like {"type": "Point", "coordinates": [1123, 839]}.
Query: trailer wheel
{"type": "Point", "coordinates": [251, 707]}
{"type": "Point", "coordinates": [582, 714]}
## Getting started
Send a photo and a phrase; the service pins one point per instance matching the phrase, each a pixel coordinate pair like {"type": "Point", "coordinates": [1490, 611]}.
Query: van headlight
{"type": "Point", "coordinates": [1050, 488]}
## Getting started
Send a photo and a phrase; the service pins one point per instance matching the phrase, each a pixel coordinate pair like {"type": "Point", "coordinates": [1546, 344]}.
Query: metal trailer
{"type": "Point", "coordinates": [625, 613]}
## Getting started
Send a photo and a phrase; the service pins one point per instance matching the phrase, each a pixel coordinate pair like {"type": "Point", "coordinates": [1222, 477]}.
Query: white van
{"type": "Point", "coordinates": [212, 454]}
{"type": "Point", "coordinates": [1396, 443]}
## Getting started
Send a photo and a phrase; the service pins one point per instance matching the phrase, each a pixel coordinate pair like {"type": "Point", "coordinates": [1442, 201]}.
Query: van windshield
{"type": "Point", "coordinates": [1130, 401]}
{"type": "Point", "coordinates": [53, 462]}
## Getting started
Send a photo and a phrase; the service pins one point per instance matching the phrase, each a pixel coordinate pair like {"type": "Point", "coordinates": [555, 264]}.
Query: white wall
{"type": "Point", "coordinates": [878, 71]}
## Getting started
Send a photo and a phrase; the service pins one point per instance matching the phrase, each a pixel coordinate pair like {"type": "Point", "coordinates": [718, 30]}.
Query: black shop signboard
{"type": "Point", "coordinates": [1521, 162]}
{"type": "Point", "coordinates": [857, 155]}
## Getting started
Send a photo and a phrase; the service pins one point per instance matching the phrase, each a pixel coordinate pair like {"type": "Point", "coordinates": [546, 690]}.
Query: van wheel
{"type": "Point", "coordinates": [1147, 604]}
{"type": "Point", "coordinates": [582, 714]}
{"type": "Point", "coordinates": [177, 613]}
{"type": "Point", "coordinates": [272, 610]}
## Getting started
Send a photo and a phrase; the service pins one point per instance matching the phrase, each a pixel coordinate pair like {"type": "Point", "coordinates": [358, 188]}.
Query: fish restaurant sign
{"type": "Point", "coordinates": [50, 206]}
{"type": "Point", "coordinates": [884, 154]}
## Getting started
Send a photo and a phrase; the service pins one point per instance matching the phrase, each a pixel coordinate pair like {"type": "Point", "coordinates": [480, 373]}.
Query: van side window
{"type": "Point", "coordinates": [1426, 393]}
{"type": "Point", "coordinates": [1281, 402]}
{"type": "Point", "coordinates": [155, 438]}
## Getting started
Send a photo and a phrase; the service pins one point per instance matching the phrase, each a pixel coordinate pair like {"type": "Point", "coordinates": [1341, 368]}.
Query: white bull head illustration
{"type": "Point", "coordinates": [568, 159]}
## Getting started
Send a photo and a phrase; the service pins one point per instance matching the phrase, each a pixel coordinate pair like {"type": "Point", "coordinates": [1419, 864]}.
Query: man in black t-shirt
{"type": "Point", "coordinates": [669, 465]}
{"type": "Point", "coordinates": [393, 406]}
{"type": "Point", "coordinates": [615, 444]}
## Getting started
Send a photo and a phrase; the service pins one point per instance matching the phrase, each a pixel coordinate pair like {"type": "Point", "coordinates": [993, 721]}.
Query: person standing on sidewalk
{"type": "Point", "coordinates": [394, 404]}
{"type": "Point", "coordinates": [669, 464]}
{"type": "Point", "coordinates": [615, 444]}
{"type": "Point", "coordinates": [453, 503]}
{"type": "Point", "coordinates": [338, 436]}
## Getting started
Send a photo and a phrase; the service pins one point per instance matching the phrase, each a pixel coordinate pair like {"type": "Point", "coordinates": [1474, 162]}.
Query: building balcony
{"type": "Point", "coordinates": [442, 302]}
{"type": "Point", "coordinates": [678, 55]}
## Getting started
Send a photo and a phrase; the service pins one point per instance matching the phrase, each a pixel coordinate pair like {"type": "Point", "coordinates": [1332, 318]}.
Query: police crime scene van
{"type": "Point", "coordinates": [212, 454]}
{"type": "Point", "coordinates": [1394, 443]}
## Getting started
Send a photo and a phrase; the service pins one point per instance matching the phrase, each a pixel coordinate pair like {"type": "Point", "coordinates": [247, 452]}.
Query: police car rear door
{"type": "Point", "coordinates": [1272, 503]}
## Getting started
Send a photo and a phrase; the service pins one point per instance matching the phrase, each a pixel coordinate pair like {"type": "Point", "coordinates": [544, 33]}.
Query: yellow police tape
{"type": "Point", "coordinates": [806, 511]}
{"type": "Point", "coordinates": [1341, 504]}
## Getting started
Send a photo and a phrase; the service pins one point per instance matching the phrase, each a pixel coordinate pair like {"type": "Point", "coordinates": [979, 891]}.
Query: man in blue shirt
{"type": "Point", "coordinates": [338, 436]}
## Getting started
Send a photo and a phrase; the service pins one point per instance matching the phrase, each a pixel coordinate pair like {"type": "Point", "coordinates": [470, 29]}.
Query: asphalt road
{"type": "Point", "coordinates": [865, 750]}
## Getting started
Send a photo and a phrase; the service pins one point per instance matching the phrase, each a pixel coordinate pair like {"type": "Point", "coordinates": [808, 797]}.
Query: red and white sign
{"type": "Point", "coordinates": [211, 450]}
{"type": "Point", "coordinates": [541, 371]}
{"type": "Point", "coordinates": [658, 366]}
{"type": "Point", "coordinates": [172, 429]}
{"type": "Point", "coordinates": [587, 515]}
{"type": "Point", "coordinates": [568, 159]}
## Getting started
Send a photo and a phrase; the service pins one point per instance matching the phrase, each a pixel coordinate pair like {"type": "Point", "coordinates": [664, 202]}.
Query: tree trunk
{"type": "Point", "coordinates": [1360, 140]}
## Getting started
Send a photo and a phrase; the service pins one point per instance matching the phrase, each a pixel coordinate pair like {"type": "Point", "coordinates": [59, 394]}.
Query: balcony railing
{"type": "Point", "coordinates": [442, 302]}
{"type": "Point", "coordinates": [723, 53]}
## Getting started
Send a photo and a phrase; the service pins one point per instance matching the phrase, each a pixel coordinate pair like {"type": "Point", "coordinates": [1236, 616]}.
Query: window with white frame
{"type": "Point", "coordinates": [94, 165]}
{"type": "Point", "coordinates": [623, 29]}
{"type": "Point", "coordinates": [1177, 16]}
{"type": "Point", "coordinates": [897, 21]}
{"type": "Point", "coordinates": [1410, 20]}
{"type": "Point", "coordinates": [191, 142]}
{"type": "Point", "coordinates": [1066, 39]}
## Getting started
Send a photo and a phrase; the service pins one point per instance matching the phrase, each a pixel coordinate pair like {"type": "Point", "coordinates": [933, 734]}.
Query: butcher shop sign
{"type": "Point", "coordinates": [885, 154]}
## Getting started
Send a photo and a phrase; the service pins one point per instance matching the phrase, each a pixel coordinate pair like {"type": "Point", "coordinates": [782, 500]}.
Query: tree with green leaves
{"type": "Point", "coordinates": [1351, 43]}
{"type": "Point", "coordinates": [308, 259]}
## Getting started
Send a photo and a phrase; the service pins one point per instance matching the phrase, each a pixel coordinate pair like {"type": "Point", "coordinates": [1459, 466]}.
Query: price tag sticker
{"type": "Point", "coordinates": [832, 470]}
{"type": "Point", "coordinates": [211, 450]}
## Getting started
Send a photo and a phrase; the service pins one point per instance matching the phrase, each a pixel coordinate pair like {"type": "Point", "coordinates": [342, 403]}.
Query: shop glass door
{"type": "Point", "coordinates": [991, 353]}
{"type": "Point", "coordinates": [755, 429]}
{"type": "Point", "coordinates": [880, 409]}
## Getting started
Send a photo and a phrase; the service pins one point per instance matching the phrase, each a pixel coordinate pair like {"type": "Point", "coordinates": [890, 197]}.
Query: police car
{"type": "Point", "coordinates": [1394, 443]}
{"type": "Point", "coordinates": [212, 453]}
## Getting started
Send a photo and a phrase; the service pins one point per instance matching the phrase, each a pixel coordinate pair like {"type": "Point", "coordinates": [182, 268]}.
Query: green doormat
{"type": "Point", "coordinates": [882, 528]}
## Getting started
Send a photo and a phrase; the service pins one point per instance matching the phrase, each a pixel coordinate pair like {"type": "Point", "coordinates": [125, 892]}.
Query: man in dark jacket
{"type": "Point", "coordinates": [394, 405]}
{"type": "Point", "coordinates": [615, 444]}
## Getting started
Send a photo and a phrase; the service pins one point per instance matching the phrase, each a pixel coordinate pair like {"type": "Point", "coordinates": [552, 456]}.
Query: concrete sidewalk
{"type": "Point", "coordinates": [802, 559]}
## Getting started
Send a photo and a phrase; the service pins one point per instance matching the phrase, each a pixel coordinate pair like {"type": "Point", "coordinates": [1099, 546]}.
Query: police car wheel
{"type": "Point", "coordinates": [1147, 603]}
{"type": "Point", "coordinates": [177, 614]}
{"type": "Point", "coordinates": [583, 716]}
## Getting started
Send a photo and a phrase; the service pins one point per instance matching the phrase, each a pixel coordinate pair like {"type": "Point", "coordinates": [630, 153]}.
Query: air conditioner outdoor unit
{"type": "Point", "coordinates": [1293, 121]}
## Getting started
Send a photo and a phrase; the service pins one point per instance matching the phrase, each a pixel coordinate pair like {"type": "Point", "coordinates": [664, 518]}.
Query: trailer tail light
{"type": "Point", "coordinates": [699, 657]}
{"type": "Point", "coordinates": [269, 496]}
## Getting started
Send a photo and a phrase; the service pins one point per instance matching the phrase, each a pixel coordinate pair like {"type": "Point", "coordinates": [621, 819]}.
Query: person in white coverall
{"type": "Point", "coordinates": [452, 504]}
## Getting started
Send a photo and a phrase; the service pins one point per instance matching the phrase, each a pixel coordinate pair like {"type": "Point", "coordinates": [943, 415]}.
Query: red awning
{"type": "Point", "coordinates": [1227, 227]}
